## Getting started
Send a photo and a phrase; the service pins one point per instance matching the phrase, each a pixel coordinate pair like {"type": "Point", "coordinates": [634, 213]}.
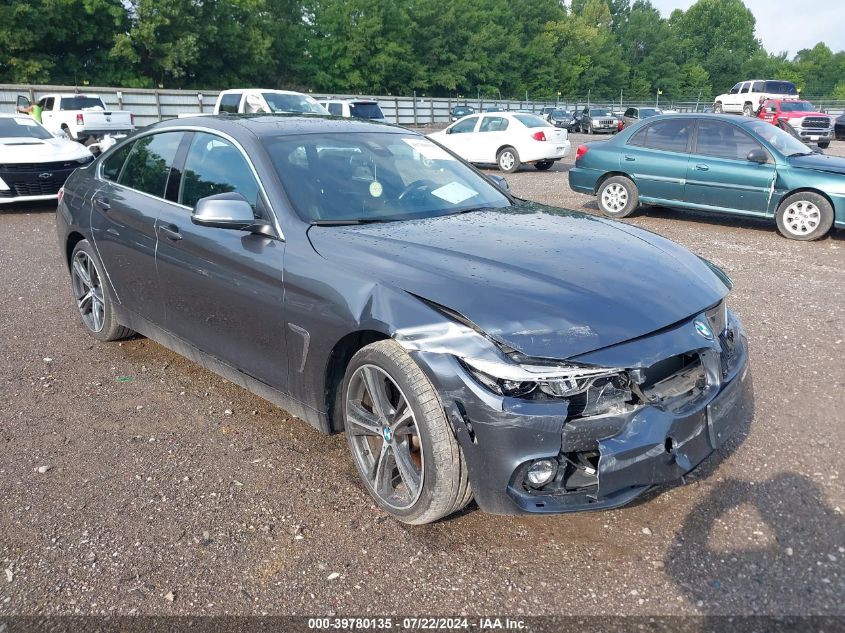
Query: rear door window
{"type": "Point", "coordinates": [230, 102]}
{"type": "Point", "coordinates": [150, 162]}
{"type": "Point", "coordinates": [335, 109]}
{"type": "Point", "coordinates": [723, 140]}
{"type": "Point", "coordinates": [214, 165]}
{"type": "Point", "coordinates": [493, 124]}
{"type": "Point", "coordinates": [671, 135]}
{"type": "Point", "coordinates": [759, 86]}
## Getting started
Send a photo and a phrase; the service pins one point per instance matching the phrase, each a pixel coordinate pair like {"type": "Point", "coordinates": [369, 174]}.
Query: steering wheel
{"type": "Point", "coordinates": [415, 191]}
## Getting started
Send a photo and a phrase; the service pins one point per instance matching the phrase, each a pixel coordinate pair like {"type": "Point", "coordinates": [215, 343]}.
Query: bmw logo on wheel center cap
{"type": "Point", "coordinates": [386, 433]}
{"type": "Point", "coordinates": [703, 329]}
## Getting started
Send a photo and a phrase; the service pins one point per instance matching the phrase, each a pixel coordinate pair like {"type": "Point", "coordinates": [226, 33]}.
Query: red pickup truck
{"type": "Point", "coordinates": [805, 119]}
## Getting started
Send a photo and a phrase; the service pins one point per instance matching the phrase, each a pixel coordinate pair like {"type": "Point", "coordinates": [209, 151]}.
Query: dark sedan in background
{"type": "Point", "coordinates": [356, 274]}
{"type": "Point", "coordinates": [458, 112]}
{"type": "Point", "coordinates": [563, 119]}
{"type": "Point", "coordinates": [715, 162]}
{"type": "Point", "coordinates": [839, 128]}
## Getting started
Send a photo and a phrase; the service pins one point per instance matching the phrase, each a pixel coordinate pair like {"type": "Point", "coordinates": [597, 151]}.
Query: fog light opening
{"type": "Point", "coordinates": [670, 445]}
{"type": "Point", "coordinates": [541, 472]}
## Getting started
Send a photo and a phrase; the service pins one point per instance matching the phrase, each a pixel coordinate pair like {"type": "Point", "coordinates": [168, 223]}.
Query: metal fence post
{"type": "Point", "coordinates": [396, 110]}
{"type": "Point", "coordinates": [415, 108]}
{"type": "Point", "coordinates": [158, 105]}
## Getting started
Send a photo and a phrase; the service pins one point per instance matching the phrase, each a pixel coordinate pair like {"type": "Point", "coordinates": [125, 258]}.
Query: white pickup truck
{"type": "Point", "coordinates": [84, 118]}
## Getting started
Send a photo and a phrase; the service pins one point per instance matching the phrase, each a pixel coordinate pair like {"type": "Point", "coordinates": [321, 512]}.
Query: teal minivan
{"type": "Point", "coordinates": [714, 162]}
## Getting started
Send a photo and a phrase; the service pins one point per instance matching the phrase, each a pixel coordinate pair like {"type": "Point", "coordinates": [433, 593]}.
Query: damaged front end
{"type": "Point", "coordinates": [600, 429]}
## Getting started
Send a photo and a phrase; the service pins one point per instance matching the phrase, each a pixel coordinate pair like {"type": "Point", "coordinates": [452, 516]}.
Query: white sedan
{"type": "Point", "coordinates": [34, 164]}
{"type": "Point", "coordinates": [506, 139]}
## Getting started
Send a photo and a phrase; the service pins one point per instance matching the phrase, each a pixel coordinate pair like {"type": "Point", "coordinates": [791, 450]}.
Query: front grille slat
{"type": "Point", "coordinates": [816, 123]}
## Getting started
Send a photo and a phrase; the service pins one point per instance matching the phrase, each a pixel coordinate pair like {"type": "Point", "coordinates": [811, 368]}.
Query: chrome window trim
{"type": "Point", "coordinates": [195, 128]}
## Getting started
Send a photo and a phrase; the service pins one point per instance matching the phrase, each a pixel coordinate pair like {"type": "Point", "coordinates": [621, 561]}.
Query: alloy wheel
{"type": "Point", "coordinates": [384, 437]}
{"type": "Point", "coordinates": [801, 217]}
{"type": "Point", "coordinates": [506, 160]}
{"type": "Point", "coordinates": [614, 197]}
{"type": "Point", "coordinates": [88, 291]}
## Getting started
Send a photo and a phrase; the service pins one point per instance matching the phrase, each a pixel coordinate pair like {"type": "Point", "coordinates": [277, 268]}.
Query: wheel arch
{"type": "Point", "coordinates": [610, 174]}
{"type": "Point", "coordinates": [503, 147]}
{"type": "Point", "coordinates": [792, 192]}
{"type": "Point", "coordinates": [338, 361]}
{"type": "Point", "coordinates": [73, 238]}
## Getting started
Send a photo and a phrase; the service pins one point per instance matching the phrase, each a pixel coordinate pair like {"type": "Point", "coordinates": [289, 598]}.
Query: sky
{"type": "Point", "coordinates": [782, 25]}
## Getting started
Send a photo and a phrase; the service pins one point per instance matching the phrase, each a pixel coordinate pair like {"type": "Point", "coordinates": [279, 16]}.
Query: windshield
{"type": "Point", "coordinates": [293, 103]}
{"type": "Point", "coordinates": [647, 112]}
{"type": "Point", "coordinates": [599, 112]}
{"type": "Point", "coordinates": [560, 114]}
{"type": "Point", "coordinates": [531, 120]}
{"type": "Point", "coordinates": [796, 106]}
{"type": "Point", "coordinates": [782, 141]}
{"type": "Point", "coordinates": [22, 127]}
{"type": "Point", "coordinates": [781, 88]}
{"type": "Point", "coordinates": [81, 103]}
{"type": "Point", "coordinates": [376, 177]}
{"type": "Point", "coordinates": [366, 110]}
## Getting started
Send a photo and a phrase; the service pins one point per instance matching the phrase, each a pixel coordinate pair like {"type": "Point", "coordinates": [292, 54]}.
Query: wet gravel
{"type": "Point", "coordinates": [134, 482]}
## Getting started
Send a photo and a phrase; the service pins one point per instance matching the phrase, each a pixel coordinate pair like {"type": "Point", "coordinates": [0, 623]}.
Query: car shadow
{"type": "Point", "coordinates": [22, 208]}
{"type": "Point", "coordinates": [762, 225]}
{"type": "Point", "coordinates": [781, 561]}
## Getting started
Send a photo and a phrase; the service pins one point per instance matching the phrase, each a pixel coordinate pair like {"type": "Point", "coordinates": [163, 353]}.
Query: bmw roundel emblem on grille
{"type": "Point", "coordinates": [703, 329]}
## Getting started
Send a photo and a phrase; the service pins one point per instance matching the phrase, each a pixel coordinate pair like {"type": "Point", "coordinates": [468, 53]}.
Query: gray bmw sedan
{"type": "Point", "coordinates": [468, 343]}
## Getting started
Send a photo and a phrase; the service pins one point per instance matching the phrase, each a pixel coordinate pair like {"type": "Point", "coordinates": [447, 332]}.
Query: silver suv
{"type": "Point", "coordinates": [598, 121]}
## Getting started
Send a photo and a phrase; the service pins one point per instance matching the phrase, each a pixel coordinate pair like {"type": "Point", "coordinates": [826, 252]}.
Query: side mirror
{"type": "Point", "coordinates": [499, 181]}
{"type": "Point", "coordinates": [225, 211]}
{"type": "Point", "coordinates": [758, 155]}
{"type": "Point", "coordinates": [448, 130]}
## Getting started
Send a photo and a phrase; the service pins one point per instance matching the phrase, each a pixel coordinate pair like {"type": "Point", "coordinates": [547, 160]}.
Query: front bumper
{"type": "Point", "coordinates": [645, 446]}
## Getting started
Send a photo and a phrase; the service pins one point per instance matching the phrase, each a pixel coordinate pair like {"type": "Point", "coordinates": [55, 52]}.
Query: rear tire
{"type": "Point", "coordinates": [804, 216]}
{"type": "Point", "coordinates": [717, 108]}
{"type": "Point", "coordinates": [618, 197]}
{"type": "Point", "coordinates": [92, 295]}
{"type": "Point", "coordinates": [543, 165]}
{"type": "Point", "coordinates": [748, 110]}
{"type": "Point", "coordinates": [508, 160]}
{"type": "Point", "coordinates": [389, 452]}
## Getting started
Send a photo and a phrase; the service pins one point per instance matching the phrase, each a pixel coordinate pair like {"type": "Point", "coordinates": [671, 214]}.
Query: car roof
{"type": "Point", "coordinates": [273, 90]}
{"type": "Point", "coordinates": [282, 124]}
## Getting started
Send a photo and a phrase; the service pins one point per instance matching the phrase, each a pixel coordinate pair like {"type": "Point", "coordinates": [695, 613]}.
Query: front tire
{"type": "Point", "coordinates": [543, 165]}
{"type": "Point", "coordinates": [93, 298]}
{"type": "Point", "coordinates": [804, 216]}
{"type": "Point", "coordinates": [824, 144]}
{"type": "Point", "coordinates": [401, 443]}
{"type": "Point", "coordinates": [618, 197]}
{"type": "Point", "coordinates": [508, 160]}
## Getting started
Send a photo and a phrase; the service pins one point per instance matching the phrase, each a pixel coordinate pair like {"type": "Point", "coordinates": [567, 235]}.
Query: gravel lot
{"type": "Point", "coordinates": [133, 481]}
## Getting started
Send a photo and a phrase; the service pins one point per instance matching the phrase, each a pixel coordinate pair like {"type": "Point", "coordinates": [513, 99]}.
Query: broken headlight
{"type": "Point", "coordinates": [555, 381]}
{"type": "Point", "coordinates": [718, 317]}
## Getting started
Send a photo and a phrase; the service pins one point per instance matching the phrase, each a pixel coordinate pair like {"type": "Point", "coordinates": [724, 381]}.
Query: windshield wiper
{"type": "Point", "coordinates": [800, 154]}
{"type": "Point", "coordinates": [348, 222]}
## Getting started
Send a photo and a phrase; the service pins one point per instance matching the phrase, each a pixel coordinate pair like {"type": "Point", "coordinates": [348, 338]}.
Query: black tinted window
{"type": "Point", "coordinates": [723, 140]}
{"type": "Point", "coordinates": [781, 88]}
{"type": "Point", "coordinates": [671, 135]}
{"type": "Point", "coordinates": [336, 109]}
{"type": "Point", "coordinates": [365, 111]}
{"type": "Point", "coordinates": [230, 102]}
{"type": "Point", "coordinates": [114, 162]}
{"type": "Point", "coordinates": [149, 163]}
{"type": "Point", "coordinates": [80, 103]}
{"type": "Point", "coordinates": [215, 166]}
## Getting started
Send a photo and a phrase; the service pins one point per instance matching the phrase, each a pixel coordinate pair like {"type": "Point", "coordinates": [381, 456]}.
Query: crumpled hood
{"type": "Point", "coordinates": [547, 282]}
{"type": "Point", "coordinates": [34, 150]}
{"type": "Point", "coordinates": [820, 162]}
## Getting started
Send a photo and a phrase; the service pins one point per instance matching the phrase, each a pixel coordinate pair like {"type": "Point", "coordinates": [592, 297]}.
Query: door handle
{"type": "Point", "coordinates": [170, 231]}
{"type": "Point", "coordinates": [101, 203]}
{"type": "Point", "coordinates": [702, 167]}
{"type": "Point", "coordinates": [628, 157]}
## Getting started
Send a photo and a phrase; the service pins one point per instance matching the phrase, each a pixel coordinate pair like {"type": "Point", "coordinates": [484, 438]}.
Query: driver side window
{"type": "Point", "coordinates": [467, 125]}
{"type": "Point", "coordinates": [214, 165]}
